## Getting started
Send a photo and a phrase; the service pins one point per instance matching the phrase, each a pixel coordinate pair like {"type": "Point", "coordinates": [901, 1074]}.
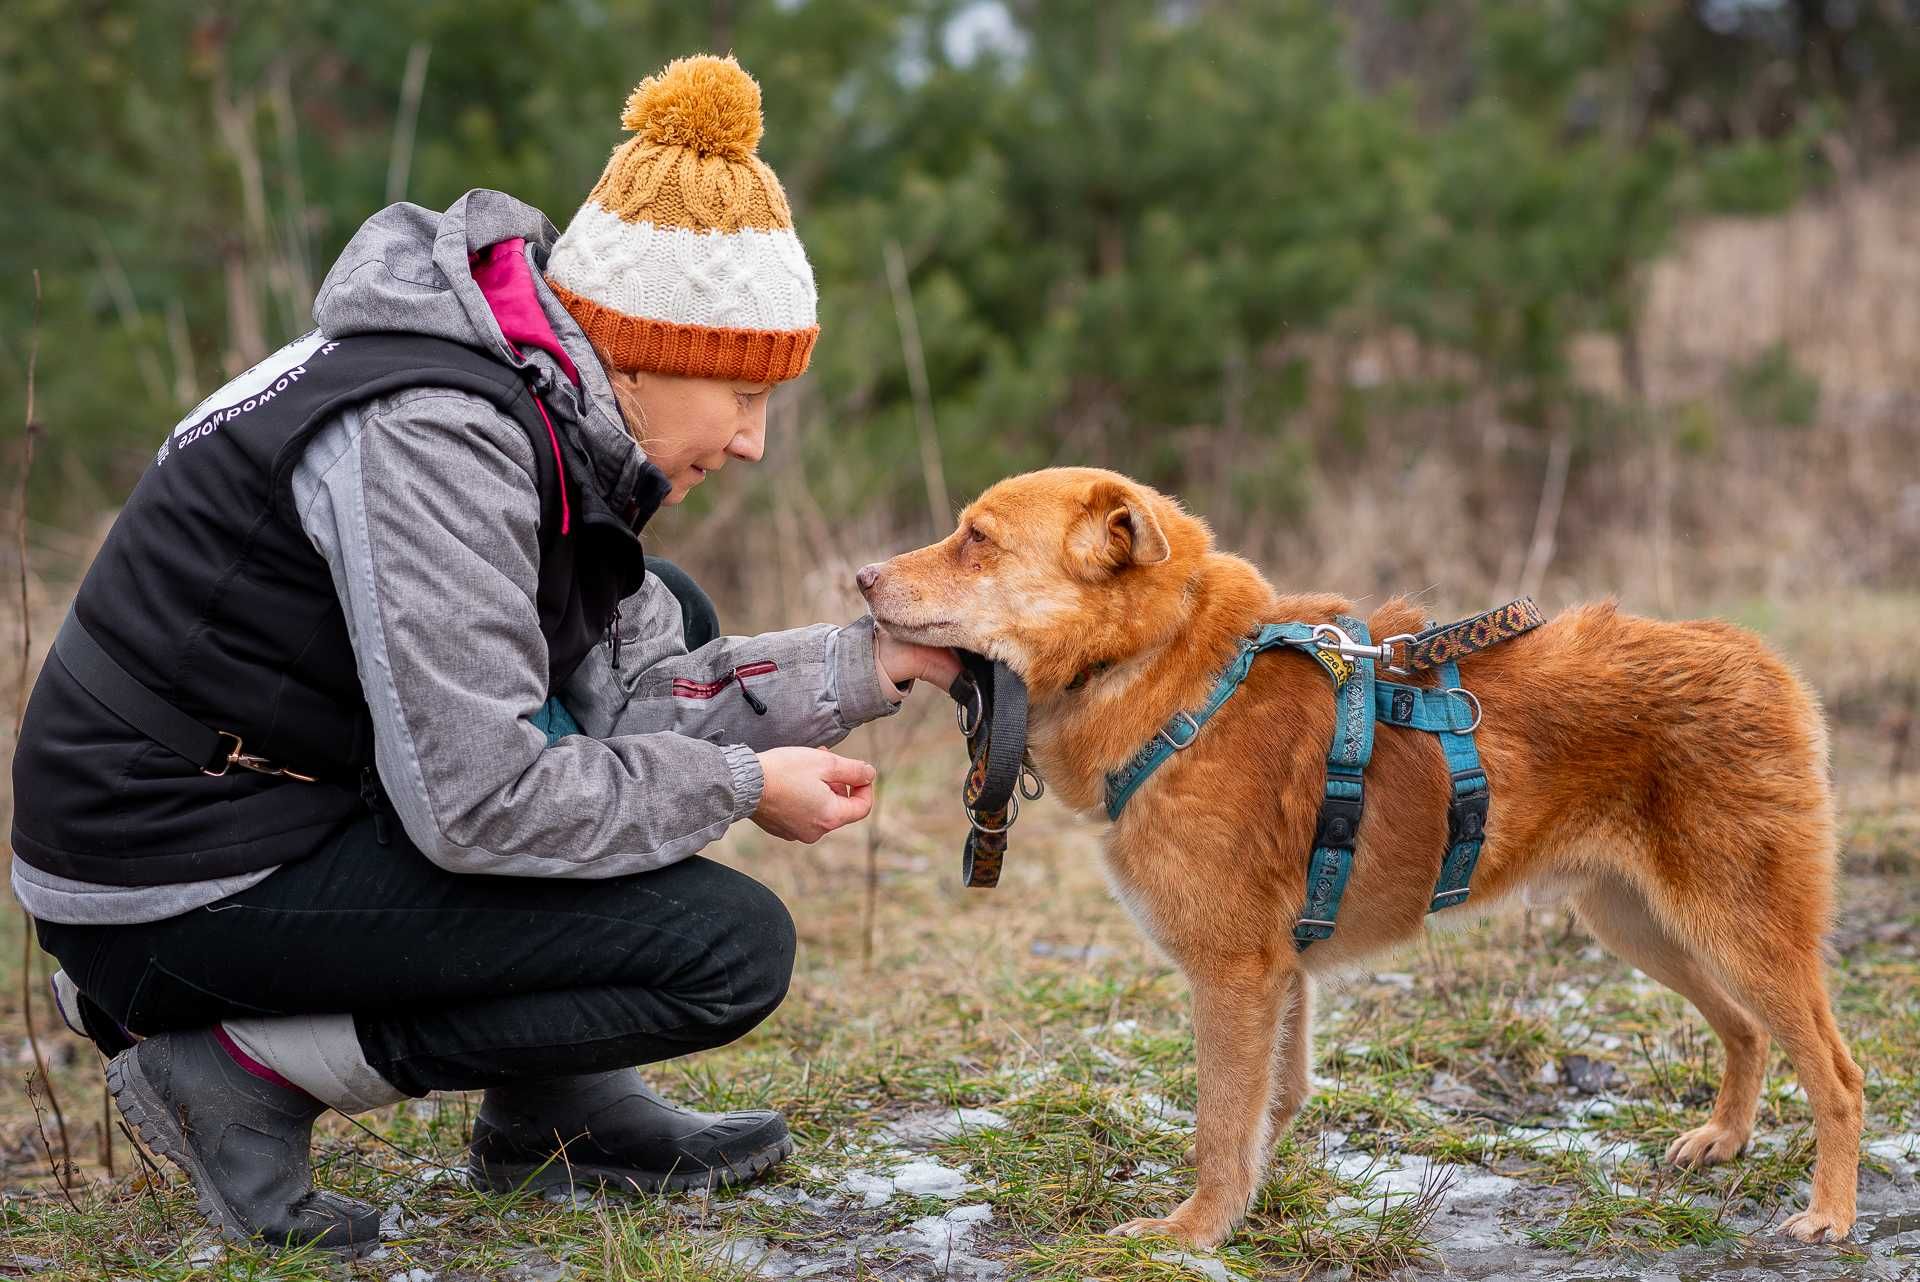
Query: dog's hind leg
{"type": "Point", "coordinates": [1236, 1014]}
{"type": "Point", "coordinates": [1619, 917]}
{"type": "Point", "coordinates": [1293, 1057]}
{"type": "Point", "coordinates": [1789, 991]}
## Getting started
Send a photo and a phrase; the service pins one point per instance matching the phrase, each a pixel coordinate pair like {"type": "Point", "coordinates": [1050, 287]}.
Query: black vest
{"type": "Point", "coordinates": [209, 593]}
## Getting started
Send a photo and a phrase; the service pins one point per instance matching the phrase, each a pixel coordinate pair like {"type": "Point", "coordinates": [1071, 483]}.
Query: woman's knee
{"type": "Point", "coordinates": [765, 968]}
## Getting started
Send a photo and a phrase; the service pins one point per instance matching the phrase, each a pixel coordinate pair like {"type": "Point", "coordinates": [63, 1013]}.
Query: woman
{"type": "Point", "coordinates": [372, 761]}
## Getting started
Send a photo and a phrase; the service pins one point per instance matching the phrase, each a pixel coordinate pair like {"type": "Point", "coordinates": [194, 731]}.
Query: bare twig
{"type": "Point", "coordinates": [62, 1172]}
{"type": "Point", "coordinates": [939, 508]}
{"type": "Point", "coordinates": [413, 84]}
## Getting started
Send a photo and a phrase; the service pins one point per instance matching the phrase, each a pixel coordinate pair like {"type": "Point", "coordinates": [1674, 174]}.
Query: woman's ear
{"type": "Point", "coordinates": [1120, 530]}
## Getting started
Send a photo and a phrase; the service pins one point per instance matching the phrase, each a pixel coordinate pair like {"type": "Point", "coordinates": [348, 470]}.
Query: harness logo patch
{"type": "Point", "coordinates": [1338, 666]}
{"type": "Point", "coordinates": [1403, 706]}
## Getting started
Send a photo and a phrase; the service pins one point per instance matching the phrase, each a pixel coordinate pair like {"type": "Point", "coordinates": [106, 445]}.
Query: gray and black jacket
{"type": "Point", "coordinates": [426, 509]}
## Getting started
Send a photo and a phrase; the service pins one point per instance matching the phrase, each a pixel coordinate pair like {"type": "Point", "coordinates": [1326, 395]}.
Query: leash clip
{"type": "Point", "coordinates": [238, 756]}
{"type": "Point", "coordinates": [1404, 640]}
{"type": "Point", "coordinates": [1331, 636]}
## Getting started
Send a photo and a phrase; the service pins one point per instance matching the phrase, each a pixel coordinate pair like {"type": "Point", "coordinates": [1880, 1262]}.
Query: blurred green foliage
{"type": "Point", "coordinates": [1125, 221]}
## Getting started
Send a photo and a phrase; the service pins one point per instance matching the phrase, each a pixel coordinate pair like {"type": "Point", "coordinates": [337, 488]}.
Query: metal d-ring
{"type": "Point", "coordinates": [1471, 698]}
{"type": "Point", "coordinates": [1013, 813]}
{"type": "Point", "coordinates": [968, 724]}
{"type": "Point", "coordinates": [1039, 788]}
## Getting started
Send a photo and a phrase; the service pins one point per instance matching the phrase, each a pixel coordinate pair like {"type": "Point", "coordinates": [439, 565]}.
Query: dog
{"type": "Point", "coordinates": [1669, 778]}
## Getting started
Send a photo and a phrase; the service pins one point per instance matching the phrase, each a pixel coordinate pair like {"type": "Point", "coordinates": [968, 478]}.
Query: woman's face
{"type": "Point", "coordinates": [692, 427]}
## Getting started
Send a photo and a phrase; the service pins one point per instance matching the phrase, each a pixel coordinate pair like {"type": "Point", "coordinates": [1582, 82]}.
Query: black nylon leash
{"type": "Point", "coordinates": [992, 713]}
{"type": "Point", "coordinates": [100, 675]}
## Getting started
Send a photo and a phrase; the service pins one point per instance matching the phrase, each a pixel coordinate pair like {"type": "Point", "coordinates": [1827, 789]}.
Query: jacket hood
{"type": "Point", "coordinates": [411, 270]}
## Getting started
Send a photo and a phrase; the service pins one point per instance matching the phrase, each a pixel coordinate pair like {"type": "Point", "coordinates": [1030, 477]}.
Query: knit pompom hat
{"type": "Point", "coordinates": [683, 259]}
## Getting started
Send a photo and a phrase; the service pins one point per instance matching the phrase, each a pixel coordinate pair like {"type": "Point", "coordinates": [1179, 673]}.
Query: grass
{"type": "Point", "coordinates": [1042, 1003]}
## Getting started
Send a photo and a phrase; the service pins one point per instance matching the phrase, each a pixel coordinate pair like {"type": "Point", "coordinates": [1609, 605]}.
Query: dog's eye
{"type": "Point", "coordinates": [974, 536]}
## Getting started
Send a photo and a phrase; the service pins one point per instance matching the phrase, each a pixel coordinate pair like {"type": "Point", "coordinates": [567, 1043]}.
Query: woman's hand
{"type": "Point", "coordinates": [809, 792]}
{"type": "Point", "coordinates": [902, 661]}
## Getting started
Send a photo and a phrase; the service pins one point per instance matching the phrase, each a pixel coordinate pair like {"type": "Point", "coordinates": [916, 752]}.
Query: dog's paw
{"type": "Point", "coordinates": [1706, 1145]}
{"type": "Point", "coordinates": [1818, 1226]}
{"type": "Point", "coordinates": [1180, 1229]}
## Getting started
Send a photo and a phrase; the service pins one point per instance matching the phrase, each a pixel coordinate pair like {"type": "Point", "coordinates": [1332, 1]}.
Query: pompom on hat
{"type": "Point", "coordinates": [683, 259]}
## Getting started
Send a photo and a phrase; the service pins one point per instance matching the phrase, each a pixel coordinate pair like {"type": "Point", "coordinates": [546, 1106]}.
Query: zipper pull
{"type": "Point", "coordinates": [376, 799]}
{"type": "Point", "coordinates": [613, 637]}
{"type": "Point", "coordinates": [753, 700]}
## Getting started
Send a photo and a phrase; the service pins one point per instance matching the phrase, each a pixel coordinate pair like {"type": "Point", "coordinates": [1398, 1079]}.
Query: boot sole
{"type": "Point", "coordinates": [161, 1132]}
{"type": "Point", "coordinates": [529, 1177]}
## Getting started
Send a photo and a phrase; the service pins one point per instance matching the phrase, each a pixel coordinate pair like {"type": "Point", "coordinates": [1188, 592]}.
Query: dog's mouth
{"type": "Point", "coordinates": [937, 632]}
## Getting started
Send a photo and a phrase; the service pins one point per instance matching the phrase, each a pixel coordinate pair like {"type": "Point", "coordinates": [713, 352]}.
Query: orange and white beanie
{"type": "Point", "coordinates": [683, 259]}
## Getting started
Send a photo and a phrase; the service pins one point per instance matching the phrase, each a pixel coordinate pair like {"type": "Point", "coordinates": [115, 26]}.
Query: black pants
{"type": "Point", "coordinates": [457, 982]}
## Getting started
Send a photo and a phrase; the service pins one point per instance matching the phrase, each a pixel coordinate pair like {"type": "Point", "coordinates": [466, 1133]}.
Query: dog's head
{"type": "Point", "coordinates": [1050, 572]}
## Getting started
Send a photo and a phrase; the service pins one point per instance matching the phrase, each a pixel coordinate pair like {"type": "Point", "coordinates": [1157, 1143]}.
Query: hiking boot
{"type": "Point", "coordinates": [241, 1139]}
{"type": "Point", "coordinates": [608, 1130]}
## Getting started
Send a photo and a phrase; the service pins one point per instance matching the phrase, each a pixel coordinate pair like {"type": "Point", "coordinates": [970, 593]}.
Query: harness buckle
{"type": "Point", "coordinates": [1193, 732]}
{"type": "Point", "coordinates": [1339, 826]}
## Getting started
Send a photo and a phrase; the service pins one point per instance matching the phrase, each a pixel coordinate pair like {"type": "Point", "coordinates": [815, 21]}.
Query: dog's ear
{"type": "Point", "coordinates": [1120, 530]}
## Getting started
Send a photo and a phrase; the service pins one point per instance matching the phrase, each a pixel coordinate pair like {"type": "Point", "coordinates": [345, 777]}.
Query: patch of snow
{"type": "Point", "coordinates": [1394, 979]}
{"type": "Point", "coordinates": [936, 1125]}
{"type": "Point", "coordinates": [873, 1189]}
{"type": "Point", "coordinates": [1205, 1265]}
{"type": "Point", "coordinates": [922, 1177]}
{"type": "Point", "coordinates": [928, 1178]}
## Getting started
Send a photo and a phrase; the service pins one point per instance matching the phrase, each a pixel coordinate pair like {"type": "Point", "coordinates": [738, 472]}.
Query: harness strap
{"type": "Point", "coordinates": [1338, 830]}
{"type": "Point", "coordinates": [1467, 804]}
{"type": "Point", "coordinates": [1453, 641]}
{"type": "Point", "coordinates": [1185, 726]}
{"type": "Point", "coordinates": [1452, 713]}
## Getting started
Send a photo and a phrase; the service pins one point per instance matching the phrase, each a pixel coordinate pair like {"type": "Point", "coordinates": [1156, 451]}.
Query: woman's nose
{"type": "Point", "coordinates": [750, 444]}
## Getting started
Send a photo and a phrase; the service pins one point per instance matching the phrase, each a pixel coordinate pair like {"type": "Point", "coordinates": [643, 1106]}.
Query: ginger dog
{"type": "Point", "coordinates": [1670, 777]}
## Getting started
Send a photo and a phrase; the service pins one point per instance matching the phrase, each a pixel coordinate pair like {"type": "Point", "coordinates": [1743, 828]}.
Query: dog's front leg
{"type": "Point", "coordinates": [1236, 1010]}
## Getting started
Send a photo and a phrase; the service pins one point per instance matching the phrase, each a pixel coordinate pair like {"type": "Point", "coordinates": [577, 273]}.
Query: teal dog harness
{"type": "Point", "coordinates": [1346, 653]}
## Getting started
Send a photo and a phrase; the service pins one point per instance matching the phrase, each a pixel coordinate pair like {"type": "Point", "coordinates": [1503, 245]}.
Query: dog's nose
{"type": "Point", "coordinates": [868, 576]}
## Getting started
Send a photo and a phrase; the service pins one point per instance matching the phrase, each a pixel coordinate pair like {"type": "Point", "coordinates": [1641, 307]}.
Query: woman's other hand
{"type": "Point", "coordinates": [902, 661]}
{"type": "Point", "coordinates": [809, 792]}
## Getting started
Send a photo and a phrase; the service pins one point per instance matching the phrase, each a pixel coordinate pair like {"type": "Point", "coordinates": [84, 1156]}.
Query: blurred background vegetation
{"type": "Point", "coordinates": [1445, 296]}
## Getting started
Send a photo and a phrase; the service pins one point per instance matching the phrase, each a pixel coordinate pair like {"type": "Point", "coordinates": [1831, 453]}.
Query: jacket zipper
{"type": "Point", "coordinates": [613, 637]}
{"type": "Point", "coordinates": [686, 688]}
{"type": "Point", "coordinates": [376, 799]}
{"type": "Point", "coordinates": [740, 675]}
